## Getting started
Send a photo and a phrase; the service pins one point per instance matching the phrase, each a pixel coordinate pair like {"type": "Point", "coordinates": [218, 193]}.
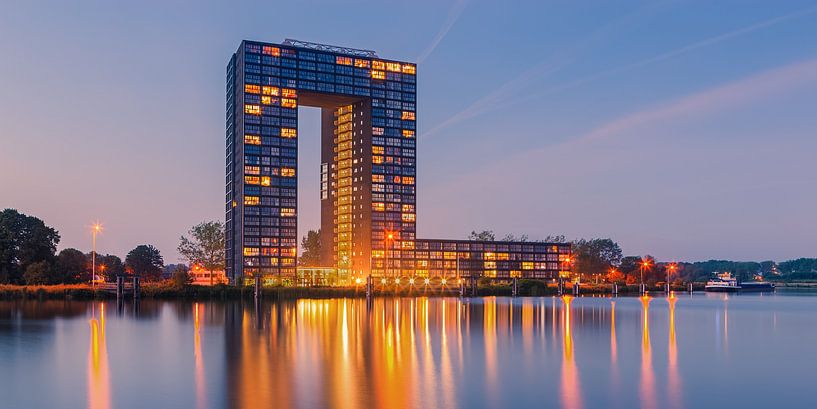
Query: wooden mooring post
{"type": "Point", "coordinates": [515, 288]}
{"type": "Point", "coordinates": [136, 288]}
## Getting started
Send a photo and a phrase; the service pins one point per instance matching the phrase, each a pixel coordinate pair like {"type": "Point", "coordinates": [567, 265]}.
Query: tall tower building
{"type": "Point", "coordinates": [368, 168]}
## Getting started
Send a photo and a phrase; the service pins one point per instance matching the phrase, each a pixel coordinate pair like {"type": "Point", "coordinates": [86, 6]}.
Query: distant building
{"type": "Point", "coordinates": [200, 276]}
{"type": "Point", "coordinates": [368, 171]}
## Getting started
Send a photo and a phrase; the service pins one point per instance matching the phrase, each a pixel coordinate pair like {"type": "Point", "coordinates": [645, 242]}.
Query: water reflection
{"type": "Point", "coordinates": [99, 389]}
{"type": "Point", "coordinates": [647, 379]}
{"type": "Point", "coordinates": [673, 378]}
{"type": "Point", "coordinates": [571, 397]}
{"type": "Point", "coordinates": [396, 352]}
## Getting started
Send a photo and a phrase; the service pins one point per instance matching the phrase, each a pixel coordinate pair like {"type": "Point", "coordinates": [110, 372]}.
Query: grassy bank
{"type": "Point", "coordinates": [168, 290]}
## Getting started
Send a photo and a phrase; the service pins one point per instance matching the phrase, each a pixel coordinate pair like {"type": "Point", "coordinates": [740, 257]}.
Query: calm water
{"type": "Point", "coordinates": [701, 351]}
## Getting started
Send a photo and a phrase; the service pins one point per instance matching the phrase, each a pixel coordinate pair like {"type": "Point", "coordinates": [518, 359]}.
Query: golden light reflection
{"type": "Point", "coordinates": [613, 341]}
{"type": "Point", "coordinates": [673, 377]}
{"type": "Point", "coordinates": [647, 379]}
{"type": "Point", "coordinates": [99, 389]}
{"type": "Point", "coordinates": [201, 392]}
{"type": "Point", "coordinates": [571, 395]}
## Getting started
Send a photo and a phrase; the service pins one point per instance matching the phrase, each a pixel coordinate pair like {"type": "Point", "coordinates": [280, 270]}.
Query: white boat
{"type": "Point", "coordinates": [722, 282]}
{"type": "Point", "coordinates": [727, 283]}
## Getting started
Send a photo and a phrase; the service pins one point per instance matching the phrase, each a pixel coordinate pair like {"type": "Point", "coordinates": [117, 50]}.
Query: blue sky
{"type": "Point", "coordinates": [681, 129]}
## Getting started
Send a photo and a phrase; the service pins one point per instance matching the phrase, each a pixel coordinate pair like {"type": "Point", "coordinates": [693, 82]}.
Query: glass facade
{"type": "Point", "coordinates": [368, 172]}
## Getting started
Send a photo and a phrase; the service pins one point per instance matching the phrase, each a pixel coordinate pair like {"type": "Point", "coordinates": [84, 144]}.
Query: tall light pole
{"type": "Point", "coordinates": [389, 237]}
{"type": "Point", "coordinates": [670, 271]}
{"type": "Point", "coordinates": [94, 230]}
{"type": "Point", "coordinates": [645, 264]}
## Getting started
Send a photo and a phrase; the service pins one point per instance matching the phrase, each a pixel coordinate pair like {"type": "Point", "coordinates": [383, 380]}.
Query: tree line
{"type": "Point", "coordinates": [28, 255]}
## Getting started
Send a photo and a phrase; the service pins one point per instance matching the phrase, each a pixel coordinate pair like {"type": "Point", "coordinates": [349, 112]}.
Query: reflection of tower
{"type": "Point", "coordinates": [647, 381]}
{"type": "Point", "coordinates": [571, 394]}
{"type": "Point", "coordinates": [99, 393]}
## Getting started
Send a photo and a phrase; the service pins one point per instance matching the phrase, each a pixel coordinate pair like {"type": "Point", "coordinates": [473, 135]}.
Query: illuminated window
{"type": "Point", "coordinates": [489, 256]}
{"type": "Point", "coordinates": [287, 172]}
{"type": "Point", "coordinates": [409, 69]}
{"type": "Point", "coordinates": [527, 265]}
{"type": "Point", "coordinates": [252, 109]}
{"type": "Point", "coordinates": [378, 178]}
{"type": "Point", "coordinates": [408, 180]}
{"type": "Point", "coordinates": [274, 91]}
{"type": "Point", "coordinates": [378, 65]}
{"type": "Point", "coordinates": [251, 251]}
{"type": "Point", "coordinates": [377, 150]}
{"type": "Point", "coordinates": [267, 100]}
{"type": "Point", "coordinates": [252, 139]}
{"type": "Point", "coordinates": [287, 212]}
{"type": "Point", "coordinates": [378, 206]}
{"type": "Point", "coordinates": [343, 60]}
{"type": "Point", "coordinates": [274, 51]}
{"type": "Point", "coordinates": [408, 133]}
{"type": "Point", "coordinates": [409, 217]}
{"type": "Point", "coordinates": [393, 66]}
{"type": "Point", "coordinates": [252, 89]}
{"type": "Point", "coordinates": [361, 63]}
{"type": "Point", "coordinates": [252, 180]}
{"type": "Point", "coordinates": [408, 208]}
{"type": "Point", "coordinates": [490, 265]}
{"type": "Point", "coordinates": [289, 132]}
{"type": "Point", "coordinates": [377, 131]}
{"type": "Point", "coordinates": [265, 180]}
{"type": "Point", "coordinates": [378, 75]}
{"type": "Point", "coordinates": [288, 93]}
{"type": "Point", "coordinates": [502, 256]}
{"type": "Point", "coordinates": [289, 103]}
{"type": "Point", "coordinates": [251, 200]}
{"type": "Point", "coordinates": [408, 115]}
{"type": "Point", "coordinates": [252, 170]}
{"type": "Point", "coordinates": [376, 159]}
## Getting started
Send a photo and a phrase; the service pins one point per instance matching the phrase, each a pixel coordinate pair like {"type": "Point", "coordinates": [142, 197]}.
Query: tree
{"type": "Point", "coordinates": [145, 261]}
{"type": "Point", "coordinates": [559, 238]}
{"type": "Point", "coordinates": [205, 247]}
{"type": "Point", "coordinates": [39, 273]}
{"type": "Point", "coordinates": [71, 266]}
{"type": "Point", "coordinates": [512, 237]}
{"type": "Point", "coordinates": [485, 235]}
{"type": "Point", "coordinates": [311, 246]}
{"type": "Point", "coordinates": [181, 276]}
{"type": "Point", "coordinates": [596, 256]}
{"type": "Point", "coordinates": [23, 240]}
{"type": "Point", "coordinates": [108, 266]}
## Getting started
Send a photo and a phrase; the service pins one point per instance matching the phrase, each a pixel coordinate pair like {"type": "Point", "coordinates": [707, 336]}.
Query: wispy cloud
{"type": "Point", "coordinates": [550, 65]}
{"type": "Point", "coordinates": [740, 92]}
{"type": "Point", "coordinates": [453, 16]}
{"type": "Point", "coordinates": [492, 101]}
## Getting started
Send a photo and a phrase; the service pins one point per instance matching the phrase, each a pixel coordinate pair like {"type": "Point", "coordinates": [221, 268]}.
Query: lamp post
{"type": "Point", "coordinates": [645, 264]}
{"type": "Point", "coordinates": [670, 270]}
{"type": "Point", "coordinates": [96, 228]}
{"type": "Point", "coordinates": [389, 237]}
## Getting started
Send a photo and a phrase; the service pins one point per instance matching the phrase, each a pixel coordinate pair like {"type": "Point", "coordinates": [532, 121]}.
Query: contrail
{"type": "Point", "coordinates": [453, 16]}
{"type": "Point", "coordinates": [471, 112]}
{"type": "Point", "coordinates": [553, 64]}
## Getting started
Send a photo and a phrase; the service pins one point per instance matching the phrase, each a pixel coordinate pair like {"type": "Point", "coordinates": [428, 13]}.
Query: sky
{"type": "Point", "coordinates": [686, 130]}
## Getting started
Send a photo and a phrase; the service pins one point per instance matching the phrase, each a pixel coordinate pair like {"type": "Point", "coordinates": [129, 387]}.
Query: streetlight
{"type": "Point", "coordinates": [96, 228]}
{"type": "Point", "coordinates": [645, 264]}
{"type": "Point", "coordinates": [389, 237]}
{"type": "Point", "coordinates": [670, 271]}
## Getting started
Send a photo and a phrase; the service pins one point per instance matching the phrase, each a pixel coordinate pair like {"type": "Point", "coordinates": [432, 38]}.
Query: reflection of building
{"type": "Point", "coordinates": [368, 170]}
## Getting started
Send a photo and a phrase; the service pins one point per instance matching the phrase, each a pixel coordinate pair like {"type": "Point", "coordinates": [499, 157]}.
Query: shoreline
{"type": "Point", "coordinates": [166, 291]}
